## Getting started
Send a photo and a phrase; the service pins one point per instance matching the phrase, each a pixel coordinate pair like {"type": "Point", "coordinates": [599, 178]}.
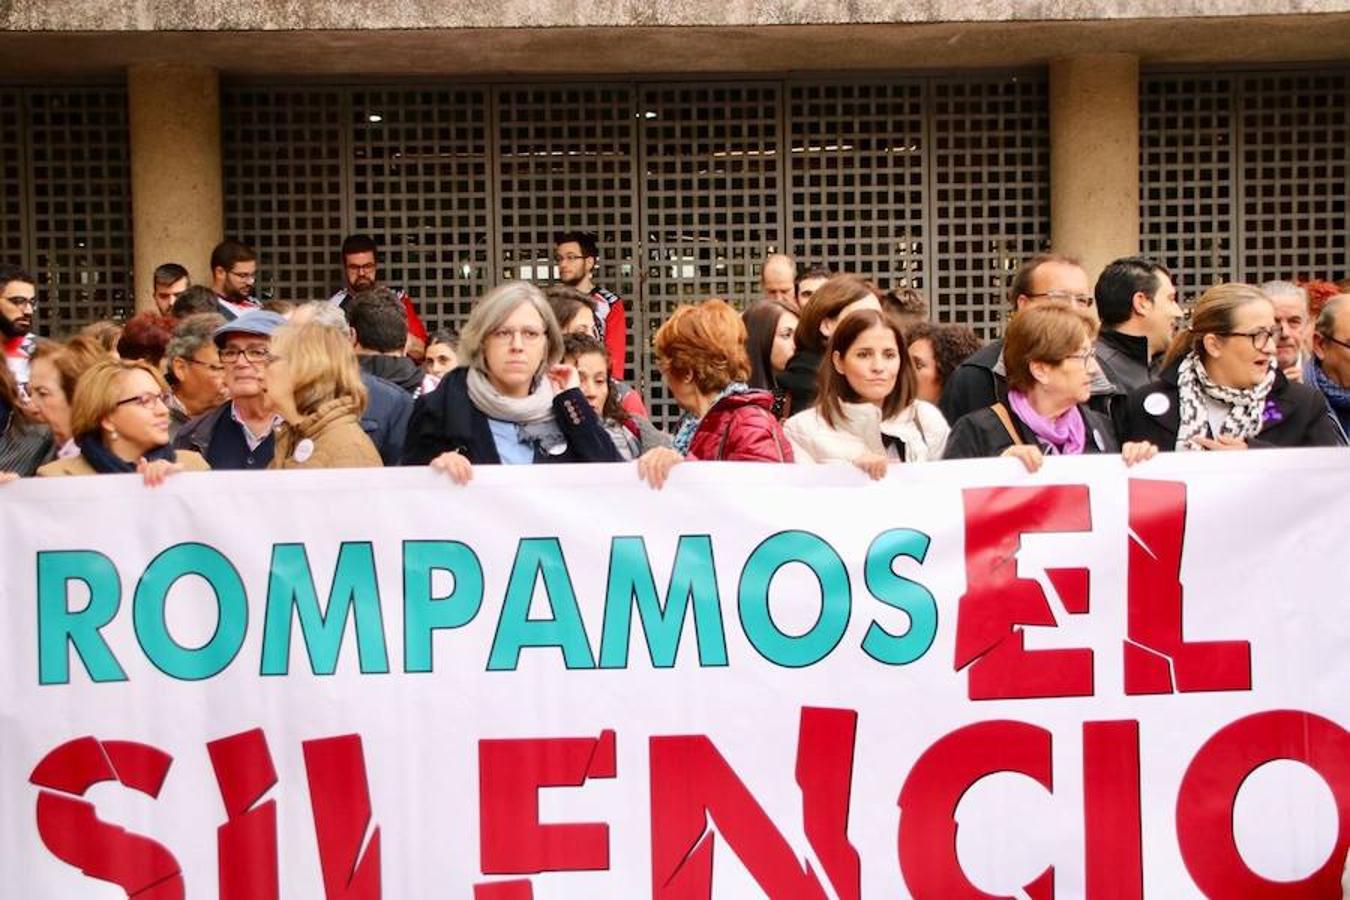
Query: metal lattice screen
{"type": "Point", "coordinates": [66, 206]}
{"type": "Point", "coordinates": [1244, 176]}
{"type": "Point", "coordinates": [711, 197]}
{"type": "Point", "coordinates": [990, 192]}
{"type": "Point", "coordinates": [284, 176]}
{"type": "Point", "coordinates": [420, 184]}
{"type": "Point", "coordinates": [857, 170]}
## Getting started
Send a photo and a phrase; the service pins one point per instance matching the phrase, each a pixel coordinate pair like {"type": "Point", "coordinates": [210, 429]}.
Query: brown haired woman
{"type": "Point", "coordinates": [1220, 388]}
{"type": "Point", "coordinates": [867, 412]}
{"type": "Point", "coordinates": [835, 299]}
{"type": "Point", "coordinates": [120, 418]}
{"type": "Point", "coordinates": [1048, 352]}
{"type": "Point", "coordinates": [700, 351]}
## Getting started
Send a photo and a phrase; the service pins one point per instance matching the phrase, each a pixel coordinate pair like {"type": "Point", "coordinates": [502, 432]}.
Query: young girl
{"type": "Point", "coordinates": [632, 434]}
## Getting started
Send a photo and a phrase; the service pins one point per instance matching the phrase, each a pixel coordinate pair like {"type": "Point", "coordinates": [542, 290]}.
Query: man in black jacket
{"type": "Point", "coordinates": [380, 327]}
{"type": "Point", "coordinates": [1137, 303]}
{"type": "Point", "coordinates": [981, 380]}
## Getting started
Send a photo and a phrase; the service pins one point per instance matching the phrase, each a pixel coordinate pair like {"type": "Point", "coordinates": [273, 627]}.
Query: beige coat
{"type": "Point", "coordinates": [920, 427]}
{"type": "Point", "coordinates": [76, 465]}
{"type": "Point", "coordinates": [329, 438]}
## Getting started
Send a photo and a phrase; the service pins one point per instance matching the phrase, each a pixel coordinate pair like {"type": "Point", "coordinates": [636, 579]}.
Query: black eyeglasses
{"type": "Point", "coordinates": [1261, 337]}
{"type": "Point", "coordinates": [256, 355]}
{"type": "Point", "coordinates": [1337, 341]}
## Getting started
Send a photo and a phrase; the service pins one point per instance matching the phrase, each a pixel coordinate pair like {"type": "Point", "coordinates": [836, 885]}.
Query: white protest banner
{"type": "Point", "coordinates": [762, 681]}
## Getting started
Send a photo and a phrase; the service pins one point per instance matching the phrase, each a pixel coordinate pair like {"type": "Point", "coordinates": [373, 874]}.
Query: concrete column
{"type": "Point", "coordinates": [1094, 158]}
{"type": "Point", "coordinates": [177, 193]}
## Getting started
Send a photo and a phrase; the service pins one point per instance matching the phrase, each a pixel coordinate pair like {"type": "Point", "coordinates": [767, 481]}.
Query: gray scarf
{"type": "Point", "coordinates": [1244, 406]}
{"type": "Point", "coordinates": [532, 415]}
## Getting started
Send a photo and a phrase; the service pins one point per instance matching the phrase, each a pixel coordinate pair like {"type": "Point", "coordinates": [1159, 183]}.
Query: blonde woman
{"type": "Point", "coordinates": [315, 384]}
{"type": "Point", "coordinates": [120, 419]}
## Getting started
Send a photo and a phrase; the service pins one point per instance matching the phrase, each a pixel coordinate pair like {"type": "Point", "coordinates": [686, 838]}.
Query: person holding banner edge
{"type": "Point", "coordinates": [866, 411]}
{"type": "Point", "coordinates": [1051, 364]}
{"type": "Point", "coordinates": [512, 401]}
{"type": "Point", "coordinates": [1221, 387]}
{"type": "Point", "coordinates": [120, 419]}
{"type": "Point", "coordinates": [700, 351]}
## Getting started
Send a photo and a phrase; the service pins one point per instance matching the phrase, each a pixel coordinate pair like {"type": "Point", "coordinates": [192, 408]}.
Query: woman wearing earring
{"type": "Point", "coordinates": [867, 412]}
{"type": "Point", "coordinates": [120, 419]}
{"type": "Point", "coordinates": [1048, 353]}
{"type": "Point", "coordinates": [1220, 388]}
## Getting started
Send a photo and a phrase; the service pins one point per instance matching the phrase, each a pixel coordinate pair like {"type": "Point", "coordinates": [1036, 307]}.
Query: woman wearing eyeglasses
{"type": "Point", "coordinates": [120, 418]}
{"type": "Point", "coordinates": [1048, 353]}
{"type": "Point", "coordinates": [511, 401]}
{"type": "Point", "coordinates": [1220, 388]}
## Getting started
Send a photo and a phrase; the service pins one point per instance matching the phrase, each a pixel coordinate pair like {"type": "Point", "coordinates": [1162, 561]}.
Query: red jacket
{"type": "Point", "coordinates": [741, 427]}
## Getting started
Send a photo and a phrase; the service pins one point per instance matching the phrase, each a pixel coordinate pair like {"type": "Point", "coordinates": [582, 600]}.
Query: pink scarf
{"type": "Point", "coordinates": [1066, 435]}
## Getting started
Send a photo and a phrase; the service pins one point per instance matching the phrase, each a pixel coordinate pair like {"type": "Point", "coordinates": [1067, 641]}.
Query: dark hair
{"type": "Point", "coordinates": [566, 302]}
{"type": "Point", "coordinates": [169, 273]}
{"type": "Point", "coordinates": [10, 273]}
{"type": "Point", "coordinates": [1021, 280]}
{"type": "Point", "coordinates": [905, 303]}
{"type": "Point", "coordinates": [826, 303]}
{"type": "Point", "coordinates": [145, 336]}
{"type": "Point", "coordinates": [358, 243]}
{"type": "Point", "coordinates": [449, 338]}
{"type": "Point", "coordinates": [576, 346]}
{"type": "Point", "coordinates": [1118, 284]}
{"type": "Point", "coordinates": [227, 254]}
{"type": "Point", "coordinates": [378, 319]}
{"type": "Point", "coordinates": [815, 271]}
{"type": "Point", "coordinates": [952, 345]}
{"type": "Point", "coordinates": [833, 388]}
{"type": "Point", "coordinates": [584, 239]}
{"type": "Point", "coordinates": [761, 324]}
{"type": "Point", "coordinates": [197, 299]}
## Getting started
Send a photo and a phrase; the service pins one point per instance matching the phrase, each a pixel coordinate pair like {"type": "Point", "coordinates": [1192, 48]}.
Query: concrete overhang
{"type": "Point", "coordinates": [645, 49]}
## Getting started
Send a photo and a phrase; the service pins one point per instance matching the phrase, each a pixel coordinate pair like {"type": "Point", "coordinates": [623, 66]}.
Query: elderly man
{"type": "Point", "coordinates": [1295, 324]}
{"type": "Point", "coordinates": [238, 434]}
{"type": "Point", "coordinates": [1329, 368]}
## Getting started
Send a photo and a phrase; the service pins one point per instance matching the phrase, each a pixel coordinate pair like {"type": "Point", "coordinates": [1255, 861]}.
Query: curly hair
{"type": "Point", "coordinates": [146, 336]}
{"type": "Point", "coordinates": [952, 344]}
{"type": "Point", "coordinates": [705, 343]}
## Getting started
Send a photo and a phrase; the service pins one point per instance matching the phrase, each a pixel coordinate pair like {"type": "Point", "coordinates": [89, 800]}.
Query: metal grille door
{"type": "Point", "coordinates": [12, 229]}
{"type": "Point", "coordinates": [990, 192]}
{"type": "Point", "coordinates": [566, 161]}
{"type": "Point", "coordinates": [284, 186]}
{"type": "Point", "coordinates": [420, 185]}
{"type": "Point", "coordinates": [1186, 218]}
{"type": "Point", "coordinates": [711, 198]}
{"type": "Point", "coordinates": [1295, 131]}
{"type": "Point", "coordinates": [77, 213]}
{"type": "Point", "coordinates": [857, 173]}
{"type": "Point", "coordinates": [1244, 176]}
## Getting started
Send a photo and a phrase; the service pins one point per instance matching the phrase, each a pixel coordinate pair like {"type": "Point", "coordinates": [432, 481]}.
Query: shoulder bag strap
{"type": "Point", "coordinates": [1002, 412]}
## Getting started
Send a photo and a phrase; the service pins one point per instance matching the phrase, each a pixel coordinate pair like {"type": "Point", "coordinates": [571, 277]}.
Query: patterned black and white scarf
{"type": "Point", "coordinates": [1245, 407]}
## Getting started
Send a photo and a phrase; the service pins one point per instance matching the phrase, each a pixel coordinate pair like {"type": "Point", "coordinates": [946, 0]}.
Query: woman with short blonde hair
{"type": "Point", "coordinates": [511, 400]}
{"type": "Point", "coordinates": [120, 419]}
{"type": "Point", "coordinates": [315, 384]}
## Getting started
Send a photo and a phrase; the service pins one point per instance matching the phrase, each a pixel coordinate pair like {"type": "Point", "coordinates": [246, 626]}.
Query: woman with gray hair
{"type": "Point", "coordinates": [192, 367]}
{"type": "Point", "coordinates": [511, 400]}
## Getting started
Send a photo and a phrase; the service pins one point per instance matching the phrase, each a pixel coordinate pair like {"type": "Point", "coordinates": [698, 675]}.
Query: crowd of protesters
{"type": "Point", "coordinates": [822, 367]}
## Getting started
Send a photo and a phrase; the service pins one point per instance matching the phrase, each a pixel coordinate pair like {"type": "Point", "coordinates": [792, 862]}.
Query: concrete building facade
{"type": "Point", "coordinates": [933, 144]}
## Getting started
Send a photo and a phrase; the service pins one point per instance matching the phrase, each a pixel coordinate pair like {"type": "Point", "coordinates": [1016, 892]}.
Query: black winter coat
{"type": "Point", "coordinates": [1296, 415]}
{"type": "Point", "coordinates": [981, 434]}
{"type": "Point", "coordinates": [447, 420]}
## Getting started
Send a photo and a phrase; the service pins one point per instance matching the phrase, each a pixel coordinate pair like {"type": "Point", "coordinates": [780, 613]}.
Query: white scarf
{"type": "Point", "coordinates": [1245, 407]}
{"type": "Point", "coordinates": [531, 414]}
